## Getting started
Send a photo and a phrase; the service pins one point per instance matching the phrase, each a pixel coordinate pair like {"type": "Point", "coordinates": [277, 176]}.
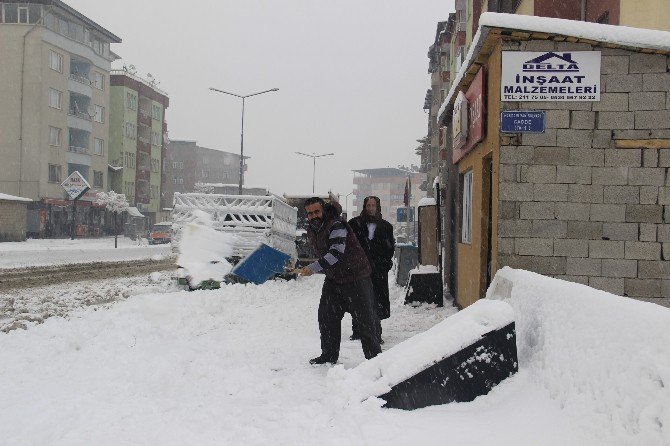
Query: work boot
{"type": "Point", "coordinates": [322, 360]}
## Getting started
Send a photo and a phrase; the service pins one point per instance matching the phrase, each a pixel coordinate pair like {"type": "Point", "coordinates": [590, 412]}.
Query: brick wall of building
{"type": "Point", "coordinates": [576, 206]}
{"type": "Point", "coordinates": [13, 221]}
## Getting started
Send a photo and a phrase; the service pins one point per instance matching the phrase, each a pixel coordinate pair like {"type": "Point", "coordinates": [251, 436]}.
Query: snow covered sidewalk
{"type": "Point", "coordinates": [230, 367]}
{"type": "Point", "coordinates": [43, 252]}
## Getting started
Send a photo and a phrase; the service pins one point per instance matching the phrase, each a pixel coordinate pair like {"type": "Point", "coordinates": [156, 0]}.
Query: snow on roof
{"type": "Point", "coordinates": [427, 201]}
{"type": "Point", "coordinates": [114, 168]}
{"type": "Point", "coordinates": [7, 197]}
{"type": "Point", "coordinates": [615, 34]}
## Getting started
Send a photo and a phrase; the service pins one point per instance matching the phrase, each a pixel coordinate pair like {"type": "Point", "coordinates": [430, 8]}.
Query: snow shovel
{"type": "Point", "coordinates": [263, 263]}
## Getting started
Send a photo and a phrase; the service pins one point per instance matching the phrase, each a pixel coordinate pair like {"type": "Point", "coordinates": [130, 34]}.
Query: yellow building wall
{"type": "Point", "coordinates": [652, 14]}
{"type": "Point", "coordinates": [471, 268]}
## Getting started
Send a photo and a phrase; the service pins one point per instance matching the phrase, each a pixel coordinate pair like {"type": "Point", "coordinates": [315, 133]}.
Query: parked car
{"type": "Point", "coordinates": [161, 233]}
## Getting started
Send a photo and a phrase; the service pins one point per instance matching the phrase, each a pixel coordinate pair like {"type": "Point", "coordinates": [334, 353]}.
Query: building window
{"type": "Point", "coordinates": [54, 136]}
{"type": "Point", "coordinates": [130, 130]}
{"type": "Point", "coordinates": [55, 99]}
{"type": "Point", "coordinates": [466, 228]}
{"type": "Point", "coordinates": [97, 179]}
{"type": "Point", "coordinates": [129, 189]}
{"type": "Point", "coordinates": [131, 101]}
{"type": "Point", "coordinates": [23, 14]}
{"type": "Point", "coordinates": [98, 80]}
{"type": "Point", "coordinates": [56, 61]}
{"type": "Point", "coordinates": [99, 114]}
{"type": "Point", "coordinates": [128, 159]}
{"type": "Point", "coordinates": [54, 173]}
{"type": "Point", "coordinates": [155, 139]}
{"type": "Point", "coordinates": [98, 146]}
{"type": "Point", "coordinates": [156, 112]}
{"type": "Point", "coordinates": [155, 165]}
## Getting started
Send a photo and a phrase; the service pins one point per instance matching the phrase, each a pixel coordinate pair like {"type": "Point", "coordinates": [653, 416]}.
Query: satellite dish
{"type": "Point", "coordinates": [132, 69]}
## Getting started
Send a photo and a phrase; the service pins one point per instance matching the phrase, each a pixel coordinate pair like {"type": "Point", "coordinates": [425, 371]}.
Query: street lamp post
{"type": "Point", "coordinates": [409, 196]}
{"type": "Point", "coordinates": [243, 97]}
{"type": "Point", "coordinates": [314, 156]}
{"type": "Point", "coordinates": [346, 203]}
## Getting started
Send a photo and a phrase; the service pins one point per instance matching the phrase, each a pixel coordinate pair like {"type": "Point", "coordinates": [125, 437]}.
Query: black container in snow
{"type": "Point", "coordinates": [425, 287]}
{"type": "Point", "coordinates": [463, 376]}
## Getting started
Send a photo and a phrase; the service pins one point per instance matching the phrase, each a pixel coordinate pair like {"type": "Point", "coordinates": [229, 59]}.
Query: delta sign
{"type": "Point", "coordinates": [551, 76]}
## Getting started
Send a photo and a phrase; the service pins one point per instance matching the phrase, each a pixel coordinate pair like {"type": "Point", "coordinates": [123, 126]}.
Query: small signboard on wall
{"type": "Point", "coordinates": [522, 121]}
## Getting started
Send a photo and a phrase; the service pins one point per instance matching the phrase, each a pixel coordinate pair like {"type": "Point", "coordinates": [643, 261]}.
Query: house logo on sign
{"type": "Point", "coordinates": [552, 63]}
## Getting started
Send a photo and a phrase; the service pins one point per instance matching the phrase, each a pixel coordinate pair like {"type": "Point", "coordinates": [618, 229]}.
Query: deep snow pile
{"type": "Point", "coordinates": [229, 366]}
{"type": "Point", "coordinates": [604, 358]}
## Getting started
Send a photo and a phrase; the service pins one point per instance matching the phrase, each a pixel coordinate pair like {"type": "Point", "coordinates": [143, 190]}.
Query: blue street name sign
{"type": "Point", "coordinates": [522, 121]}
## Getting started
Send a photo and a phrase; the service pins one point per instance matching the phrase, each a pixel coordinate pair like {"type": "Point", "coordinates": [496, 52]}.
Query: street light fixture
{"type": "Point", "coordinates": [314, 156]}
{"type": "Point", "coordinates": [243, 97]}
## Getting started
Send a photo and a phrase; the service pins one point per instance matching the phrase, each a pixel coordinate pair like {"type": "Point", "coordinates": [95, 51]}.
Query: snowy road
{"type": "Point", "coordinates": [230, 367]}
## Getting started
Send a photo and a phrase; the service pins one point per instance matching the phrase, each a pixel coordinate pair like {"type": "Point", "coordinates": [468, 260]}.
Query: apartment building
{"type": "Point", "coordinates": [54, 110]}
{"type": "Point", "coordinates": [138, 135]}
{"type": "Point", "coordinates": [188, 164]}
{"type": "Point", "coordinates": [388, 183]}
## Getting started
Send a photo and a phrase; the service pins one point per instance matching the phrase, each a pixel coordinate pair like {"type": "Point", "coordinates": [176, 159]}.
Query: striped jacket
{"type": "Point", "coordinates": [341, 257]}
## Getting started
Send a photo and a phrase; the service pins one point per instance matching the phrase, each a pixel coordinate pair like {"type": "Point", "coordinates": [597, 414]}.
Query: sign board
{"type": "Point", "coordinates": [401, 216]}
{"type": "Point", "coordinates": [459, 120]}
{"type": "Point", "coordinates": [474, 100]}
{"type": "Point", "coordinates": [75, 185]}
{"type": "Point", "coordinates": [522, 121]}
{"type": "Point", "coordinates": [550, 76]}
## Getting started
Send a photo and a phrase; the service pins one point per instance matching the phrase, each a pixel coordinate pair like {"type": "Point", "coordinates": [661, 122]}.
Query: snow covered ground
{"type": "Point", "coordinates": [42, 252]}
{"type": "Point", "coordinates": [229, 366]}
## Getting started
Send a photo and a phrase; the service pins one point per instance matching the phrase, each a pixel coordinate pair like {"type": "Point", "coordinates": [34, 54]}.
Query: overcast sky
{"type": "Point", "coordinates": [352, 76]}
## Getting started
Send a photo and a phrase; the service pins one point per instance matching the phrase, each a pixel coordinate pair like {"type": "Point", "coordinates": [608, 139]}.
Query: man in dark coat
{"type": "Point", "coordinates": [347, 287]}
{"type": "Point", "coordinates": [376, 237]}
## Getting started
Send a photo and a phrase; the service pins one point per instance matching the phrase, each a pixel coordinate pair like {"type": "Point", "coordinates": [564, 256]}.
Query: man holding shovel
{"type": "Point", "coordinates": [347, 287]}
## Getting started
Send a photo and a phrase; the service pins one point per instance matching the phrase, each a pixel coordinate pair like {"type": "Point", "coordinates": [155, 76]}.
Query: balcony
{"type": "Point", "coordinates": [78, 141]}
{"type": "Point", "coordinates": [76, 149]}
{"type": "Point", "coordinates": [80, 78]}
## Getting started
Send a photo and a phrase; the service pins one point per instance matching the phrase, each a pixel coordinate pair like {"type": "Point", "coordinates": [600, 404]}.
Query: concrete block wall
{"type": "Point", "coordinates": [13, 221]}
{"type": "Point", "coordinates": [574, 206]}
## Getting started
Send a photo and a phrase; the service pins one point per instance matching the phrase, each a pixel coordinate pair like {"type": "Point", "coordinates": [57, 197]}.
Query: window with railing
{"type": "Point", "coordinates": [128, 159]}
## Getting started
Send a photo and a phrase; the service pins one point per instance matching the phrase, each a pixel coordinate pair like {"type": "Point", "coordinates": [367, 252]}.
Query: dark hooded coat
{"type": "Point", "coordinates": [379, 250]}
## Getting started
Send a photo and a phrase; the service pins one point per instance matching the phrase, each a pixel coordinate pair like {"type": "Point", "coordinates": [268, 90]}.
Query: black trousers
{"type": "Point", "coordinates": [380, 287]}
{"type": "Point", "coordinates": [357, 298]}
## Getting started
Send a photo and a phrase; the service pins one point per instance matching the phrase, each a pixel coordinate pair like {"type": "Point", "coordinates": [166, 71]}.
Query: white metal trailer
{"type": "Point", "coordinates": [254, 219]}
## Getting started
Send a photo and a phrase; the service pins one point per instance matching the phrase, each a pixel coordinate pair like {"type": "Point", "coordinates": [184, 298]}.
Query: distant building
{"type": "Point", "coordinates": [137, 136]}
{"type": "Point", "coordinates": [54, 110]}
{"type": "Point", "coordinates": [188, 164]}
{"type": "Point", "coordinates": [388, 183]}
